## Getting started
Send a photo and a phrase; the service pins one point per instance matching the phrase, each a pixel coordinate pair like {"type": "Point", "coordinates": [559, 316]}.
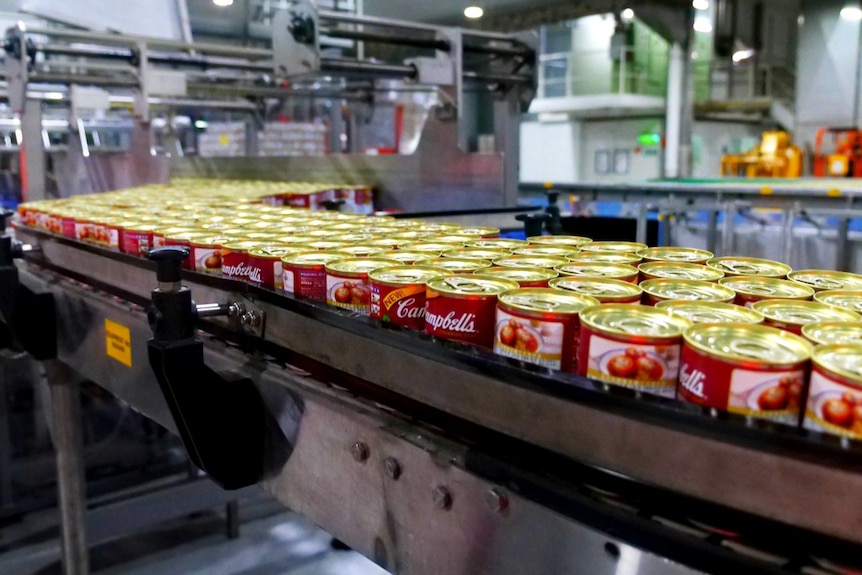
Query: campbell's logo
{"type": "Point", "coordinates": [464, 323]}
{"type": "Point", "coordinates": [407, 309]}
{"type": "Point", "coordinates": [692, 380]}
{"type": "Point", "coordinates": [242, 270]}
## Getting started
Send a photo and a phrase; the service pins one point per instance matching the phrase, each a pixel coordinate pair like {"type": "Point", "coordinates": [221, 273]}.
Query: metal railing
{"type": "Point", "coordinates": [561, 75]}
{"type": "Point", "coordinates": [749, 80]}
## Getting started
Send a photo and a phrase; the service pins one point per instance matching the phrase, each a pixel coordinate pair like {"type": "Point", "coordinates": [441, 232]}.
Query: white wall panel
{"type": "Point", "coordinates": [155, 18]}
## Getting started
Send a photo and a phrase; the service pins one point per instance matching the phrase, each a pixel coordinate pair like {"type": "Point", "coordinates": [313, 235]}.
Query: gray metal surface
{"type": "Point", "coordinates": [772, 485]}
{"type": "Point", "coordinates": [436, 177]}
{"type": "Point", "coordinates": [430, 517]}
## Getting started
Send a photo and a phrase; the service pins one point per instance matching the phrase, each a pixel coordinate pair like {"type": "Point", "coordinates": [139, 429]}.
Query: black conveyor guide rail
{"type": "Point", "coordinates": [768, 438]}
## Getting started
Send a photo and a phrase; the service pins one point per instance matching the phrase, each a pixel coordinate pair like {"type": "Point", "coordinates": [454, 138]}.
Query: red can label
{"type": "Point", "coordinates": [136, 243]}
{"type": "Point", "coordinates": [234, 264]}
{"type": "Point", "coordinates": [310, 283]}
{"type": "Point", "coordinates": [792, 328]}
{"type": "Point", "coordinates": [651, 368]}
{"type": "Point", "coordinates": [265, 271]}
{"type": "Point", "coordinates": [461, 319]}
{"type": "Point", "coordinates": [549, 343]}
{"type": "Point", "coordinates": [773, 394]}
{"type": "Point", "coordinates": [84, 231]}
{"type": "Point", "coordinates": [207, 259]}
{"type": "Point", "coordinates": [402, 305]}
{"type": "Point", "coordinates": [349, 293]}
{"type": "Point", "coordinates": [68, 227]}
{"type": "Point", "coordinates": [834, 406]}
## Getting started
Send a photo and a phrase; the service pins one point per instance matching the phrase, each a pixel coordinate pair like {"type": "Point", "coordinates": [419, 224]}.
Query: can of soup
{"type": "Point", "coordinates": [737, 266]}
{"type": "Point", "coordinates": [603, 289]}
{"type": "Point", "coordinates": [687, 290]}
{"type": "Point", "coordinates": [750, 290]}
{"type": "Point", "coordinates": [835, 391]}
{"type": "Point", "coordinates": [829, 332]}
{"type": "Point", "coordinates": [347, 284]}
{"type": "Point", "coordinates": [526, 277]}
{"type": "Point", "coordinates": [398, 294]}
{"type": "Point", "coordinates": [710, 312]}
{"type": "Point", "coordinates": [679, 271]}
{"type": "Point", "coordinates": [304, 274]}
{"type": "Point", "coordinates": [826, 279]}
{"type": "Point", "coordinates": [676, 254]}
{"type": "Point", "coordinates": [844, 299]}
{"type": "Point", "coordinates": [793, 315]}
{"type": "Point", "coordinates": [620, 272]}
{"type": "Point", "coordinates": [547, 262]}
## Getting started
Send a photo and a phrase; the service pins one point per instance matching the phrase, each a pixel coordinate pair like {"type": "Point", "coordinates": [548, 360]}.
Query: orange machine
{"type": "Point", "coordinates": [775, 157]}
{"type": "Point", "coordinates": [845, 161]}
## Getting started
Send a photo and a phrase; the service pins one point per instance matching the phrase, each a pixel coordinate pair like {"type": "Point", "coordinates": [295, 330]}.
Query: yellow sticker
{"type": "Point", "coordinates": [118, 342]}
{"type": "Point", "coordinates": [223, 140]}
{"type": "Point", "coordinates": [765, 191]}
{"type": "Point", "coordinates": [833, 193]}
{"type": "Point", "coordinates": [549, 185]}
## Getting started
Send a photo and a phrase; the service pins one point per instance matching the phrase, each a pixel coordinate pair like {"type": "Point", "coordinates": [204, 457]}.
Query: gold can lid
{"type": "Point", "coordinates": [606, 258]}
{"type": "Point", "coordinates": [826, 279]}
{"type": "Point", "coordinates": [476, 253]}
{"type": "Point", "coordinates": [470, 285]}
{"type": "Point", "coordinates": [140, 227]}
{"type": "Point", "coordinates": [828, 332]}
{"type": "Point", "coordinates": [240, 245]}
{"type": "Point", "coordinates": [455, 265]}
{"type": "Point", "coordinates": [254, 227]}
{"type": "Point", "coordinates": [407, 236]}
{"type": "Point", "coordinates": [544, 301]}
{"type": "Point", "coordinates": [530, 262]}
{"type": "Point", "coordinates": [739, 342]}
{"type": "Point", "coordinates": [771, 288]}
{"type": "Point", "coordinates": [520, 274]}
{"type": "Point", "coordinates": [598, 270]}
{"type": "Point", "coordinates": [345, 227]}
{"type": "Point", "coordinates": [680, 271]}
{"type": "Point", "coordinates": [274, 252]}
{"type": "Point", "coordinates": [406, 275]}
{"type": "Point", "coordinates": [845, 359]}
{"type": "Point", "coordinates": [313, 259]}
{"type": "Point", "coordinates": [212, 241]}
{"type": "Point", "coordinates": [573, 241]}
{"type": "Point", "coordinates": [323, 245]}
{"type": "Point", "coordinates": [188, 236]}
{"type": "Point", "coordinates": [688, 290]}
{"type": "Point", "coordinates": [546, 250]}
{"type": "Point", "coordinates": [262, 236]}
{"type": "Point", "coordinates": [615, 247]}
{"type": "Point", "coordinates": [386, 243]}
{"type": "Point", "coordinates": [428, 247]}
{"type": "Point", "coordinates": [497, 244]}
{"type": "Point", "coordinates": [454, 240]}
{"type": "Point", "coordinates": [361, 250]}
{"type": "Point", "coordinates": [710, 312]}
{"type": "Point", "coordinates": [676, 254]}
{"type": "Point", "coordinates": [605, 289]}
{"type": "Point", "coordinates": [633, 321]}
{"type": "Point", "coordinates": [167, 231]}
{"type": "Point", "coordinates": [845, 299]}
{"type": "Point", "coordinates": [354, 238]}
{"type": "Point", "coordinates": [360, 266]}
{"type": "Point", "coordinates": [738, 266]}
{"type": "Point", "coordinates": [799, 313]}
{"type": "Point", "coordinates": [434, 227]}
{"type": "Point", "coordinates": [293, 239]}
{"type": "Point", "coordinates": [481, 231]}
{"type": "Point", "coordinates": [408, 256]}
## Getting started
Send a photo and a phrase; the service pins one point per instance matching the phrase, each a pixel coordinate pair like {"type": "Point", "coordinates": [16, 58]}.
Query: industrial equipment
{"type": "Point", "coordinates": [845, 159]}
{"type": "Point", "coordinates": [775, 157]}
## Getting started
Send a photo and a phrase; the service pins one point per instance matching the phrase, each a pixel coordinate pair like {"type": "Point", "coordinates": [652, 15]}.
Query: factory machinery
{"type": "Point", "coordinates": [427, 458]}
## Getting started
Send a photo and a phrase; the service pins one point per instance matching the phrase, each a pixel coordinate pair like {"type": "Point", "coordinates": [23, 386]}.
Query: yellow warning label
{"type": "Point", "coordinates": [118, 342]}
{"type": "Point", "coordinates": [223, 140]}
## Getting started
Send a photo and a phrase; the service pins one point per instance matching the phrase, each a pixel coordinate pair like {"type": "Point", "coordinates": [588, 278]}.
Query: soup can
{"type": "Point", "coordinates": [752, 370]}
{"type": "Point", "coordinates": [456, 265]}
{"type": "Point", "coordinates": [750, 290]}
{"type": "Point", "coordinates": [793, 315]}
{"type": "Point", "coordinates": [206, 253]}
{"type": "Point", "coordinates": [547, 262]}
{"type": "Point", "coordinates": [738, 266]}
{"type": "Point", "coordinates": [497, 244]}
{"type": "Point", "coordinates": [137, 239]}
{"type": "Point", "coordinates": [710, 312]}
{"type": "Point", "coordinates": [569, 241]}
{"type": "Point", "coordinates": [680, 271]}
{"type": "Point", "coordinates": [845, 299]}
{"type": "Point", "coordinates": [477, 253]}
{"type": "Point", "coordinates": [234, 259]}
{"type": "Point", "coordinates": [613, 258]}
{"type": "Point", "coordinates": [829, 332]}
{"type": "Point", "coordinates": [84, 229]}
{"type": "Point", "coordinates": [185, 239]}
{"type": "Point", "coordinates": [822, 280]}
{"type": "Point", "coordinates": [603, 289]}
{"type": "Point", "coordinates": [526, 277]}
{"type": "Point", "coordinates": [615, 247]}
{"type": "Point", "coordinates": [835, 391]}
{"type": "Point", "coordinates": [676, 254]}
{"type": "Point", "coordinates": [454, 240]}
{"type": "Point", "coordinates": [347, 284]}
{"type": "Point", "coordinates": [483, 232]}
{"type": "Point", "coordinates": [435, 247]}
{"type": "Point", "coordinates": [566, 252]}
{"type": "Point", "coordinates": [304, 274]}
{"type": "Point", "coordinates": [540, 326]}
{"type": "Point", "coordinates": [408, 257]}
{"type": "Point", "coordinates": [620, 272]}
{"type": "Point", "coordinates": [463, 307]}
{"type": "Point", "coordinates": [159, 234]}
{"type": "Point", "coordinates": [398, 294]}
{"type": "Point", "coordinates": [265, 267]}
{"type": "Point", "coordinates": [361, 251]}
{"type": "Point", "coordinates": [631, 346]}
{"type": "Point", "coordinates": [323, 245]}
{"type": "Point", "coordinates": [686, 290]}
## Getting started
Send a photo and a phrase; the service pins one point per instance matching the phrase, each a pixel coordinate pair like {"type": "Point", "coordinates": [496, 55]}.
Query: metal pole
{"type": "Point", "coordinates": [641, 233]}
{"type": "Point", "coordinates": [69, 447]}
{"type": "Point", "coordinates": [787, 234]}
{"type": "Point", "coordinates": [232, 519]}
{"type": "Point", "coordinates": [712, 230]}
{"type": "Point", "coordinates": [5, 439]}
{"type": "Point", "coordinates": [33, 156]}
{"type": "Point", "coordinates": [727, 228]}
{"type": "Point", "coordinates": [842, 251]}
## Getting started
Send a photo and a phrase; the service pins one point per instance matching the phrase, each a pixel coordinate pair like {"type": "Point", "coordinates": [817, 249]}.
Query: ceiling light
{"type": "Point", "coordinates": [700, 4]}
{"type": "Point", "coordinates": [201, 124]}
{"type": "Point", "coordinates": [223, 3]}
{"type": "Point", "coordinates": [473, 12]}
{"type": "Point", "coordinates": [627, 14]}
{"type": "Point", "coordinates": [741, 55]}
{"type": "Point", "coordinates": [851, 13]}
{"type": "Point", "coordinates": [702, 24]}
